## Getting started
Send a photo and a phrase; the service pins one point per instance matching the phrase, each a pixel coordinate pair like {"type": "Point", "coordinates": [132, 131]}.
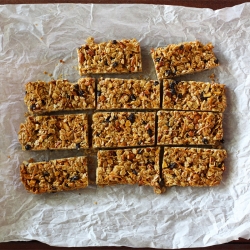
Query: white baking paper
{"type": "Point", "coordinates": [33, 40]}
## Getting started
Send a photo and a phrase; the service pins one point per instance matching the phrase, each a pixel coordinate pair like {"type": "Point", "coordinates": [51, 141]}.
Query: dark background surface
{"type": "Point", "coordinates": [240, 244]}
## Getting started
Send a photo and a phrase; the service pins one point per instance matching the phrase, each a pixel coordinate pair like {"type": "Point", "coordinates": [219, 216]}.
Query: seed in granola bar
{"type": "Point", "coordinates": [45, 173]}
{"type": "Point", "coordinates": [131, 117]}
{"type": "Point", "coordinates": [27, 147]}
{"type": "Point", "coordinates": [168, 72]}
{"type": "Point", "coordinates": [132, 97]}
{"type": "Point", "coordinates": [156, 83]}
{"type": "Point", "coordinates": [134, 172]}
{"type": "Point", "coordinates": [203, 98]}
{"type": "Point", "coordinates": [181, 47]}
{"type": "Point", "coordinates": [33, 106]}
{"type": "Point", "coordinates": [78, 145]}
{"type": "Point", "coordinates": [150, 132]}
{"type": "Point", "coordinates": [205, 140]}
{"type": "Point", "coordinates": [157, 59]}
{"type": "Point", "coordinates": [140, 151]}
{"type": "Point", "coordinates": [220, 164]}
{"type": "Point", "coordinates": [114, 42]}
{"type": "Point", "coordinates": [108, 119]}
{"type": "Point", "coordinates": [80, 92]}
{"type": "Point", "coordinates": [98, 92]}
{"type": "Point", "coordinates": [115, 64]}
{"type": "Point", "coordinates": [172, 165]}
{"type": "Point", "coordinates": [75, 178]}
{"type": "Point", "coordinates": [216, 61]}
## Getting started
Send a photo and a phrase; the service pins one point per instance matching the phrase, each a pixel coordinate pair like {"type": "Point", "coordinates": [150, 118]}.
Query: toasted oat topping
{"type": "Point", "coordinates": [54, 132]}
{"type": "Point", "coordinates": [42, 97]}
{"type": "Point", "coordinates": [55, 175]}
{"type": "Point", "coordinates": [184, 58]}
{"type": "Point", "coordinates": [193, 166]}
{"type": "Point", "coordinates": [116, 56]}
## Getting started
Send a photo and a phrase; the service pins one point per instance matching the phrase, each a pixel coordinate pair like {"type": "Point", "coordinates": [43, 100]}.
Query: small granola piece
{"type": "Point", "coordinates": [189, 127]}
{"type": "Point", "coordinates": [195, 167]}
{"type": "Point", "coordinates": [54, 132]}
{"type": "Point", "coordinates": [121, 56]}
{"type": "Point", "coordinates": [184, 58]}
{"type": "Point", "coordinates": [56, 175]}
{"type": "Point", "coordinates": [123, 129]}
{"type": "Point", "coordinates": [114, 93]}
{"type": "Point", "coordinates": [129, 166]}
{"type": "Point", "coordinates": [191, 95]}
{"type": "Point", "coordinates": [42, 97]}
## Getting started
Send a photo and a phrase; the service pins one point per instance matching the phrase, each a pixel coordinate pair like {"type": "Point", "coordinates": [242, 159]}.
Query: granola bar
{"type": "Point", "coordinates": [184, 58]}
{"type": "Point", "coordinates": [191, 95]}
{"type": "Point", "coordinates": [123, 129]}
{"type": "Point", "coordinates": [193, 166]}
{"type": "Point", "coordinates": [59, 95]}
{"type": "Point", "coordinates": [117, 56]}
{"type": "Point", "coordinates": [55, 175]}
{"type": "Point", "coordinates": [189, 127]}
{"type": "Point", "coordinates": [114, 93]}
{"type": "Point", "coordinates": [129, 166]}
{"type": "Point", "coordinates": [54, 132]}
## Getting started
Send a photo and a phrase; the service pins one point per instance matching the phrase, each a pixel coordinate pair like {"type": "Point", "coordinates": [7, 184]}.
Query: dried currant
{"type": "Point", "coordinates": [27, 147]}
{"type": "Point", "coordinates": [172, 165]}
{"type": "Point", "coordinates": [156, 83]}
{"type": "Point", "coordinates": [115, 64]}
{"type": "Point", "coordinates": [131, 117]}
{"type": "Point", "coordinates": [205, 140]}
{"type": "Point", "coordinates": [150, 132]}
{"type": "Point", "coordinates": [78, 145]}
{"type": "Point", "coordinates": [98, 92]}
{"type": "Point", "coordinates": [75, 178]}
{"type": "Point", "coordinates": [132, 97]}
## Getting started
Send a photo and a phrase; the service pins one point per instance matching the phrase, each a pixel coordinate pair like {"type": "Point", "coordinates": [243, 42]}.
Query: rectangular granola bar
{"type": "Point", "coordinates": [193, 166]}
{"type": "Point", "coordinates": [123, 129]}
{"type": "Point", "coordinates": [114, 93]}
{"type": "Point", "coordinates": [189, 127]}
{"type": "Point", "coordinates": [184, 58]}
{"type": "Point", "coordinates": [129, 166]}
{"type": "Point", "coordinates": [42, 97]}
{"type": "Point", "coordinates": [54, 132]}
{"type": "Point", "coordinates": [117, 56]}
{"type": "Point", "coordinates": [55, 175]}
{"type": "Point", "coordinates": [191, 95]}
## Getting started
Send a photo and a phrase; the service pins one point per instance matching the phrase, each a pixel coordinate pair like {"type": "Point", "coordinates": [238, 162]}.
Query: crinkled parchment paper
{"type": "Point", "coordinates": [33, 40]}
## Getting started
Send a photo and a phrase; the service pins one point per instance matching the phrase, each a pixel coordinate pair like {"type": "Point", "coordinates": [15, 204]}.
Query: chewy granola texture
{"type": "Point", "coordinates": [54, 132]}
{"type": "Point", "coordinates": [114, 93]}
{"type": "Point", "coordinates": [129, 166]}
{"type": "Point", "coordinates": [191, 95]}
{"type": "Point", "coordinates": [184, 58]}
{"type": "Point", "coordinates": [55, 175]}
{"type": "Point", "coordinates": [42, 97]}
{"type": "Point", "coordinates": [196, 167]}
{"type": "Point", "coordinates": [189, 128]}
{"type": "Point", "coordinates": [123, 129]}
{"type": "Point", "coordinates": [117, 56]}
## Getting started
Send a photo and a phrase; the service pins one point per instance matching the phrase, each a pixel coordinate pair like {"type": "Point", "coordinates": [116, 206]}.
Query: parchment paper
{"type": "Point", "coordinates": [33, 40]}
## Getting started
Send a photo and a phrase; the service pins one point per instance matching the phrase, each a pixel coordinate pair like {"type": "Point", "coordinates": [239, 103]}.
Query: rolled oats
{"type": "Point", "coordinates": [42, 97]}
{"type": "Point", "coordinates": [129, 166]}
{"type": "Point", "coordinates": [184, 58]}
{"type": "Point", "coordinates": [55, 175]}
{"type": "Point", "coordinates": [54, 132]}
{"type": "Point", "coordinates": [117, 56]}
{"type": "Point", "coordinates": [114, 93]}
{"type": "Point", "coordinates": [123, 129]}
{"type": "Point", "coordinates": [191, 95]}
{"type": "Point", "coordinates": [193, 166]}
{"type": "Point", "coordinates": [189, 127]}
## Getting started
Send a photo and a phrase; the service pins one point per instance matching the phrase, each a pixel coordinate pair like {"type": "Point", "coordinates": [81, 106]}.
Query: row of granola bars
{"type": "Point", "coordinates": [185, 113]}
{"type": "Point", "coordinates": [194, 167]}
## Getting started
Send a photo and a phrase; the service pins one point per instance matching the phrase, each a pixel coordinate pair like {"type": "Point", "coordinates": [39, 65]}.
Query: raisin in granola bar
{"type": "Point", "coordinates": [54, 132]}
{"type": "Point", "coordinates": [55, 175]}
{"type": "Point", "coordinates": [123, 129]}
{"type": "Point", "coordinates": [129, 166]}
{"type": "Point", "coordinates": [193, 166]}
{"type": "Point", "coordinates": [189, 127]}
{"type": "Point", "coordinates": [42, 97]}
{"type": "Point", "coordinates": [184, 58]}
{"type": "Point", "coordinates": [191, 95]}
{"type": "Point", "coordinates": [117, 56]}
{"type": "Point", "coordinates": [114, 93]}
